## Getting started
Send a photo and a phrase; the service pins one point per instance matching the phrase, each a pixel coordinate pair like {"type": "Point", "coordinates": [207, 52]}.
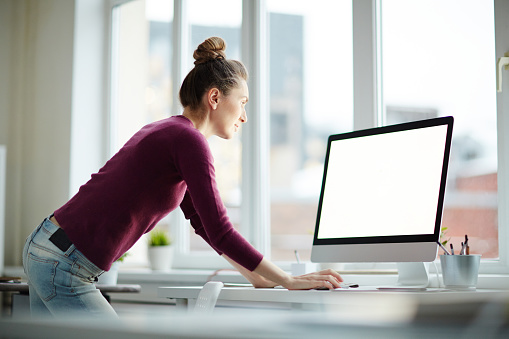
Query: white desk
{"type": "Point", "coordinates": [186, 296]}
{"type": "Point", "coordinates": [357, 299]}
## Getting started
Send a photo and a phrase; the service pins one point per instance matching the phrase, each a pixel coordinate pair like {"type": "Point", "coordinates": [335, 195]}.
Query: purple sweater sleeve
{"type": "Point", "coordinates": [190, 213]}
{"type": "Point", "coordinates": [203, 206]}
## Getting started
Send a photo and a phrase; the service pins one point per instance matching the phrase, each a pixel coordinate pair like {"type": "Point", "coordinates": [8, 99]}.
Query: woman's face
{"type": "Point", "coordinates": [230, 111]}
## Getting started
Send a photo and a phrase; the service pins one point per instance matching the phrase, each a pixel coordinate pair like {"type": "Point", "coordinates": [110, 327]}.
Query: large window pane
{"type": "Point", "coordinates": [438, 59]}
{"type": "Point", "coordinates": [141, 90]}
{"type": "Point", "coordinates": [141, 67]}
{"type": "Point", "coordinates": [311, 97]}
{"type": "Point", "coordinates": [222, 18]}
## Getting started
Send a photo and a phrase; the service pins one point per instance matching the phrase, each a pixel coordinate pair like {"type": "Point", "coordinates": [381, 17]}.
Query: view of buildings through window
{"type": "Point", "coordinates": [311, 97]}
{"type": "Point", "coordinates": [425, 75]}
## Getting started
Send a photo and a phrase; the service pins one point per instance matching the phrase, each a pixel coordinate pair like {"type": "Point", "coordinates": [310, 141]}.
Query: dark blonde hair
{"type": "Point", "coordinates": [211, 69]}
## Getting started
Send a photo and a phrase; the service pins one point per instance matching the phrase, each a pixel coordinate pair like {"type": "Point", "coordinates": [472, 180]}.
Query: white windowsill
{"type": "Point", "coordinates": [180, 276]}
{"type": "Point", "coordinates": [200, 277]}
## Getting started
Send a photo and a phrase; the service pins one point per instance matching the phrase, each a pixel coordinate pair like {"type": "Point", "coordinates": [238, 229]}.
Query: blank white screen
{"type": "Point", "coordinates": [383, 185]}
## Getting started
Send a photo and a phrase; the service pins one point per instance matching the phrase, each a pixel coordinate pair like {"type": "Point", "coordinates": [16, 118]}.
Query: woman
{"type": "Point", "coordinates": [166, 164]}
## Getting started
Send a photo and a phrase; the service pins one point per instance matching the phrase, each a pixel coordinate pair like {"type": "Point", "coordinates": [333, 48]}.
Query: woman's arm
{"type": "Point", "coordinates": [203, 205]}
{"type": "Point", "coordinates": [268, 275]}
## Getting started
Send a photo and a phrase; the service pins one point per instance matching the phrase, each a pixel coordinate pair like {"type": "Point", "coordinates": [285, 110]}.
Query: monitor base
{"type": "Point", "coordinates": [412, 277]}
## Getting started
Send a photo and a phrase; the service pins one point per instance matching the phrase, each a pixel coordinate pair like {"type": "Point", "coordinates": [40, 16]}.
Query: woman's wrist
{"type": "Point", "coordinates": [286, 281]}
{"type": "Point", "coordinates": [271, 272]}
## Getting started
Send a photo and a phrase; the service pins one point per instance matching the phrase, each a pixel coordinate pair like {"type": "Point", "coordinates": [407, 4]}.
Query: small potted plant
{"type": "Point", "coordinates": [160, 250]}
{"type": "Point", "coordinates": [111, 277]}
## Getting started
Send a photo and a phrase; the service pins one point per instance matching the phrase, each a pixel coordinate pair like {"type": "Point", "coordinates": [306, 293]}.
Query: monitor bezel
{"type": "Point", "coordinates": [414, 238]}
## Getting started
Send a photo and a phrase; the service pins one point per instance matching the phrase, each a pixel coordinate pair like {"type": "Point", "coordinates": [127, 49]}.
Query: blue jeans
{"type": "Point", "coordinates": [61, 283]}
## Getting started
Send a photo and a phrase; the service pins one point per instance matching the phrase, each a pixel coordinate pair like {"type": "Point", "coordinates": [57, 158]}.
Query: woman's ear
{"type": "Point", "coordinates": [213, 97]}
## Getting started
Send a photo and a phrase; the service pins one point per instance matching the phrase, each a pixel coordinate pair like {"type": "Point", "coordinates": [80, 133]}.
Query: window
{"type": "Point", "coordinates": [141, 77]}
{"type": "Point", "coordinates": [141, 67]}
{"type": "Point", "coordinates": [144, 89]}
{"type": "Point", "coordinates": [478, 191]}
{"type": "Point", "coordinates": [222, 18]}
{"type": "Point", "coordinates": [318, 68]}
{"type": "Point", "coordinates": [425, 74]}
{"type": "Point", "coordinates": [310, 73]}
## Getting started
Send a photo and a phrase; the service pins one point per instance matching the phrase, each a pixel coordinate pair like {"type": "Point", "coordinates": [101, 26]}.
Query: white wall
{"type": "Point", "coordinates": [5, 23]}
{"type": "Point", "coordinates": [35, 104]}
{"type": "Point", "coordinates": [53, 85]}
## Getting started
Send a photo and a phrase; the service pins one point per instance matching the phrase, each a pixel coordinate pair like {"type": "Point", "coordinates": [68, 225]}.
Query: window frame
{"type": "Point", "coordinates": [501, 10]}
{"type": "Point", "coordinates": [368, 112]}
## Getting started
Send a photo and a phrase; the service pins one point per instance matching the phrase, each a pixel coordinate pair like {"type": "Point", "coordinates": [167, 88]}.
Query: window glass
{"type": "Point", "coordinates": [221, 18]}
{"type": "Point", "coordinates": [141, 66]}
{"type": "Point", "coordinates": [436, 62]}
{"type": "Point", "coordinates": [141, 90]}
{"type": "Point", "coordinates": [311, 97]}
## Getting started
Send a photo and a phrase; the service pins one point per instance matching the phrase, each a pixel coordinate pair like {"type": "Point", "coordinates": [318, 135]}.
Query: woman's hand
{"type": "Point", "coordinates": [324, 279]}
{"type": "Point", "coordinates": [268, 275]}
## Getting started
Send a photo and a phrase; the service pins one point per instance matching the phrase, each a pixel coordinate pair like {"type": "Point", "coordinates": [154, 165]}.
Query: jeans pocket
{"type": "Point", "coordinates": [41, 273]}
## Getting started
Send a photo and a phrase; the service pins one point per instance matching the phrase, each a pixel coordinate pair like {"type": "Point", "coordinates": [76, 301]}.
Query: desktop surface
{"type": "Point", "coordinates": [336, 296]}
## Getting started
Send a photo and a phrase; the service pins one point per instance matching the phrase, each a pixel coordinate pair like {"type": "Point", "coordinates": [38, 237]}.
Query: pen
{"type": "Point", "coordinates": [445, 249]}
{"type": "Point", "coordinates": [464, 245]}
{"type": "Point", "coordinates": [452, 250]}
{"type": "Point", "coordinates": [297, 257]}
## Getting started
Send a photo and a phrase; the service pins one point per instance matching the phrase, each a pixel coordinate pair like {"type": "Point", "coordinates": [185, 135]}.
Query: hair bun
{"type": "Point", "coordinates": [211, 49]}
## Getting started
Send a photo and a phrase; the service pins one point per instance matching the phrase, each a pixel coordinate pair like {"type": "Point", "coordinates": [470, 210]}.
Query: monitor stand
{"type": "Point", "coordinates": [412, 276]}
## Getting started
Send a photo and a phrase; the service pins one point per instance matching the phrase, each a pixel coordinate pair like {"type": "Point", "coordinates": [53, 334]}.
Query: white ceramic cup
{"type": "Point", "coordinates": [303, 268]}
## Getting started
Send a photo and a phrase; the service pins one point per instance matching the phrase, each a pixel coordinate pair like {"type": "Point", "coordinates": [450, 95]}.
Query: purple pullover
{"type": "Point", "coordinates": [166, 164]}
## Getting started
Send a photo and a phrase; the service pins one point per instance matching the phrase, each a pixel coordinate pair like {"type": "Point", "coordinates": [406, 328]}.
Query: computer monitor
{"type": "Point", "coordinates": [382, 194]}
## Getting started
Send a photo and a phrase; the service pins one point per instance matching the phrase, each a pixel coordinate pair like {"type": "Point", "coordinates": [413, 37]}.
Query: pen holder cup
{"type": "Point", "coordinates": [460, 272]}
